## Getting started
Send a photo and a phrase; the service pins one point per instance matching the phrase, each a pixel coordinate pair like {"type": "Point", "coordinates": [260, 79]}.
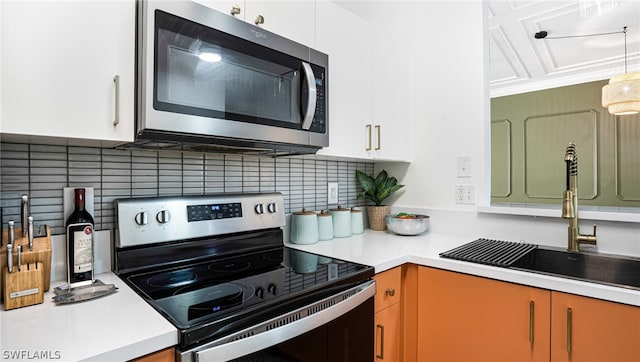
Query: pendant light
{"type": "Point", "coordinates": [622, 95]}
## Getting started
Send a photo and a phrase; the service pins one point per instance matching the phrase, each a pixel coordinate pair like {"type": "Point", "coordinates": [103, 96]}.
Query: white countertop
{"type": "Point", "coordinates": [385, 250]}
{"type": "Point", "coordinates": [116, 327]}
{"type": "Point", "coordinates": [123, 326]}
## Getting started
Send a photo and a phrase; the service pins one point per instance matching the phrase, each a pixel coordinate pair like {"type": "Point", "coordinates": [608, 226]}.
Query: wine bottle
{"type": "Point", "coordinates": [79, 243]}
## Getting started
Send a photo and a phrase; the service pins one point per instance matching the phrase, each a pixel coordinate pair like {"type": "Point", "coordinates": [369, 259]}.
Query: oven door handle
{"type": "Point", "coordinates": [246, 342]}
{"type": "Point", "coordinates": [312, 95]}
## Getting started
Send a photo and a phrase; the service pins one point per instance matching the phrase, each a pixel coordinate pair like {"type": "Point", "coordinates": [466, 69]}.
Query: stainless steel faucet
{"type": "Point", "coordinates": [570, 202]}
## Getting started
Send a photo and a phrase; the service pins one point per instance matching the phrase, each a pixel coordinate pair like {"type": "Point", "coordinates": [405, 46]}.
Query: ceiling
{"type": "Point", "coordinates": [521, 63]}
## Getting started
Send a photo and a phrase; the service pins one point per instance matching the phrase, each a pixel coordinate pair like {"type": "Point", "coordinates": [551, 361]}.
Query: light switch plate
{"type": "Point", "coordinates": [464, 166]}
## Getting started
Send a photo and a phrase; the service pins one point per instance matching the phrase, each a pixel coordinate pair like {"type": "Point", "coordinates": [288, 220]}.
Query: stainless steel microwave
{"type": "Point", "coordinates": [208, 79]}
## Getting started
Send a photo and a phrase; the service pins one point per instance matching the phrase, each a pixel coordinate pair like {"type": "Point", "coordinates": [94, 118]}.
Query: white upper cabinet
{"type": "Point", "coordinates": [391, 84]}
{"type": "Point", "coordinates": [224, 6]}
{"type": "Point", "coordinates": [346, 37]}
{"type": "Point", "coordinates": [369, 81]}
{"type": "Point", "coordinates": [291, 19]}
{"type": "Point", "coordinates": [59, 61]}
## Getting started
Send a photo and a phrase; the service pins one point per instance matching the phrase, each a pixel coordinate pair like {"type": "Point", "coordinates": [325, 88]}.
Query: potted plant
{"type": "Point", "coordinates": [377, 189]}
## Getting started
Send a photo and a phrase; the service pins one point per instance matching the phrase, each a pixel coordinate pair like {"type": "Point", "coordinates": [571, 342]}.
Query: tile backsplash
{"type": "Point", "coordinates": [42, 171]}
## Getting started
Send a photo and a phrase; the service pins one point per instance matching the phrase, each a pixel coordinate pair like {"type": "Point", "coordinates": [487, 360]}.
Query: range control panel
{"type": "Point", "coordinates": [214, 211]}
{"type": "Point", "coordinates": [149, 220]}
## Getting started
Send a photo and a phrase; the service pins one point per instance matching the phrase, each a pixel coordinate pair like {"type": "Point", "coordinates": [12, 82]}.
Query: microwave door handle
{"type": "Point", "coordinates": [312, 92]}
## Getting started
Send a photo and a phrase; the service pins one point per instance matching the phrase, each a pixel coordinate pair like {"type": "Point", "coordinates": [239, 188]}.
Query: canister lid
{"type": "Point", "coordinates": [353, 209]}
{"type": "Point", "coordinates": [340, 208]}
{"type": "Point", "coordinates": [304, 212]}
{"type": "Point", "coordinates": [324, 213]}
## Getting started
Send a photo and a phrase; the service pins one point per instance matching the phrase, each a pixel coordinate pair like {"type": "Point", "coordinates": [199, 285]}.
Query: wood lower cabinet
{"type": "Point", "coordinates": [387, 334]}
{"type": "Point", "coordinates": [586, 329]}
{"type": "Point", "coordinates": [467, 318]}
{"type": "Point", "coordinates": [388, 314]}
{"type": "Point", "coordinates": [165, 355]}
{"type": "Point", "coordinates": [396, 324]}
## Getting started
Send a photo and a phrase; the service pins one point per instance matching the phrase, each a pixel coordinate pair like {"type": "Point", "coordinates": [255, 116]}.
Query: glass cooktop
{"type": "Point", "coordinates": [198, 293]}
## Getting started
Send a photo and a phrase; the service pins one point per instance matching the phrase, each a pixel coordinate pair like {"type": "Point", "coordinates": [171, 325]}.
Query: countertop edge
{"type": "Point", "coordinates": [116, 327]}
{"type": "Point", "coordinates": [541, 281]}
{"type": "Point", "coordinates": [384, 251]}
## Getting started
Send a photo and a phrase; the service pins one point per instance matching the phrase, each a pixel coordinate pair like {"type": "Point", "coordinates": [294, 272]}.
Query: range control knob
{"type": "Point", "coordinates": [163, 216]}
{"type": "Point", "coordinates": [259, 209]}
{"type": "Point", "coordinates": [272, 208]}
{"type": "Point", "coordinates": [272, 289]}
{"type": "Point", "coordinates": [141, 218]}
{"type": "Point", "coordinates": [260, 292]}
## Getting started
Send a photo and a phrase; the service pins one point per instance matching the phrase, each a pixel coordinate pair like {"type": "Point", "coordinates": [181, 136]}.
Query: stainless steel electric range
{"type": "Point", "coordinates": [216, 267]}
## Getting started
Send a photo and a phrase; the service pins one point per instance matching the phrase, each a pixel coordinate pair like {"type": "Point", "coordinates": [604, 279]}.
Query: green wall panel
{"type": "Point", "coordinates": [527, 161]}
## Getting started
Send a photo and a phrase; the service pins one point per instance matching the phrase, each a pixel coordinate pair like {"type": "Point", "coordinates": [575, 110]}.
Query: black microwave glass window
{"type": "Point", "coordinates": [205, 72]}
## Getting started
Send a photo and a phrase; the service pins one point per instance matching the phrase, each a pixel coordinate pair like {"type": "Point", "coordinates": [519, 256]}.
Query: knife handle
{"type": "Point", "coordinates": [12, 235]}
{"type": "Point", "coordinates": [24, 212]}
{"type": "Point", "coordinates": [19, 256]}
{"type": "Point", "coordinates": [30, 232]}
{"type": "Point", "coordinates": [10, 258]}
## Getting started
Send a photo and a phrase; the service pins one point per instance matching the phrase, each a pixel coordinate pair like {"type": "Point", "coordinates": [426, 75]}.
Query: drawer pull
{"type": "Point", "coordinates": [116, 81]}
{"type": "Point", "coordinates": [569, 328]}
{"type": "Point", "coordinates": [531, 308]}
{"type": "Point", "coordinates": [390, 292]}
{"type": "Point", "coordinates": [381, 328]}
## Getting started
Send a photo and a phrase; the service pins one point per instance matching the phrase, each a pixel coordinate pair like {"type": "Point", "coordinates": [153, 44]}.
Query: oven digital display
{"type": "Point", "coordinates": [212, 306]}
{"type": "Point", "coordinates": [214, 211]}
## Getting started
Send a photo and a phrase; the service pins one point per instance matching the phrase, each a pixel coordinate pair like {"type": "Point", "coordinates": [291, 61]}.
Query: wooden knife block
{"type": "Point", "coordinates": [25, 287]}
{"type": "Point", "coordinates": [41, 253]}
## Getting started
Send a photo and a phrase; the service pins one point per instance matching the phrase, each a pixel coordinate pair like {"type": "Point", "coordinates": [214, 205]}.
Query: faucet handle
{"type": "Point", "coordinates": [568, 212]}
{"type": "Point", "coordinates": [594, 230]}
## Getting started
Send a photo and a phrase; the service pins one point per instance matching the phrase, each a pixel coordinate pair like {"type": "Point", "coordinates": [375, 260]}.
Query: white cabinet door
{"type": "Point", "coordinates": [59, 59]}
{"type": "Point", "coordinates": [391, 66]}
{"type": "Point", "coordinates": [347, 39]}
{"type": "Point", "coordinates": [224, 6]}
{"type": "Point", "coordinates": [291, 19]}
{"type": "Point", "coordinates": [294, 20]}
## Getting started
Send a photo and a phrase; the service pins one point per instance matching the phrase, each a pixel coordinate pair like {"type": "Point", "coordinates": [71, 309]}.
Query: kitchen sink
{"type": "Point", "coordinates": [600, 268]}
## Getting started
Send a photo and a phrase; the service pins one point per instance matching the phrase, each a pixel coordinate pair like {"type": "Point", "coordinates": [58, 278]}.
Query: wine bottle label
{"type": "Point", "coordinates": [83, 249]}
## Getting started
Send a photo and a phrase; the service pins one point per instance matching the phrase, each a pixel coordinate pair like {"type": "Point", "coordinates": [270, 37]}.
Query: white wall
{"type": "Point", "coordinates": [450, 118]}
{"type": "Point", "coordinates": [449, 102]}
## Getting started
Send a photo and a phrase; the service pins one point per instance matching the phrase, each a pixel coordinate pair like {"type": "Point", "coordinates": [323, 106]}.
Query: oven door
{"type": "Point", "coordinates": [337, 328]}
{"type": "Point", "coordinates": [210, 75]}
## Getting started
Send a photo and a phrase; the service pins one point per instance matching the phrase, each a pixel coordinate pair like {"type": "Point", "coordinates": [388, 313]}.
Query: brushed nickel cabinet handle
{"type": "Point", "coordinates": [368, 144]}
{"type": "Point", "coordinates": [390, 292]}
{"type": "Point", "coordinates": [379, 140]}
{"type": "Point", "coordinates": [531, 311]}
{"type": "Point", "coordinates": [116, 81]}
{"type": "Point", "coordinates": [259, 20]}
{"type": "Point", "coordinates": [381, 328]}
{"type": "Point", "coordinates": [235, 10]}
{"type": "Point", "coordinates": [569, 328]}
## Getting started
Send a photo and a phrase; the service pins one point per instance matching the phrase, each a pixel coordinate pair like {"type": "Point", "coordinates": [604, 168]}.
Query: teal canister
{"type": "Point", "coordinates": [304, 227]}
{"type": "Point", "coordinates": [341, 222]}
{"type": "Point", "coordinates": [357, 226]}
{"type": "Point", "coordinates": [325, 225]}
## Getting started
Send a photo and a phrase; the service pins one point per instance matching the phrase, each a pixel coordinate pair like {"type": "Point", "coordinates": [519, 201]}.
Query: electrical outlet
{"type": "Point", "coordinates": [465, 194]}
{"type": "Point", "coordinates": [464, 166]}
{"type": "Point", "coordinates": [332, 193]}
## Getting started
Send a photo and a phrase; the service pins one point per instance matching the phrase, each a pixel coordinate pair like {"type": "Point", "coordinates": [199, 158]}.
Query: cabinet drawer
{"type": "Point", "coordinates": [388, 288]}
